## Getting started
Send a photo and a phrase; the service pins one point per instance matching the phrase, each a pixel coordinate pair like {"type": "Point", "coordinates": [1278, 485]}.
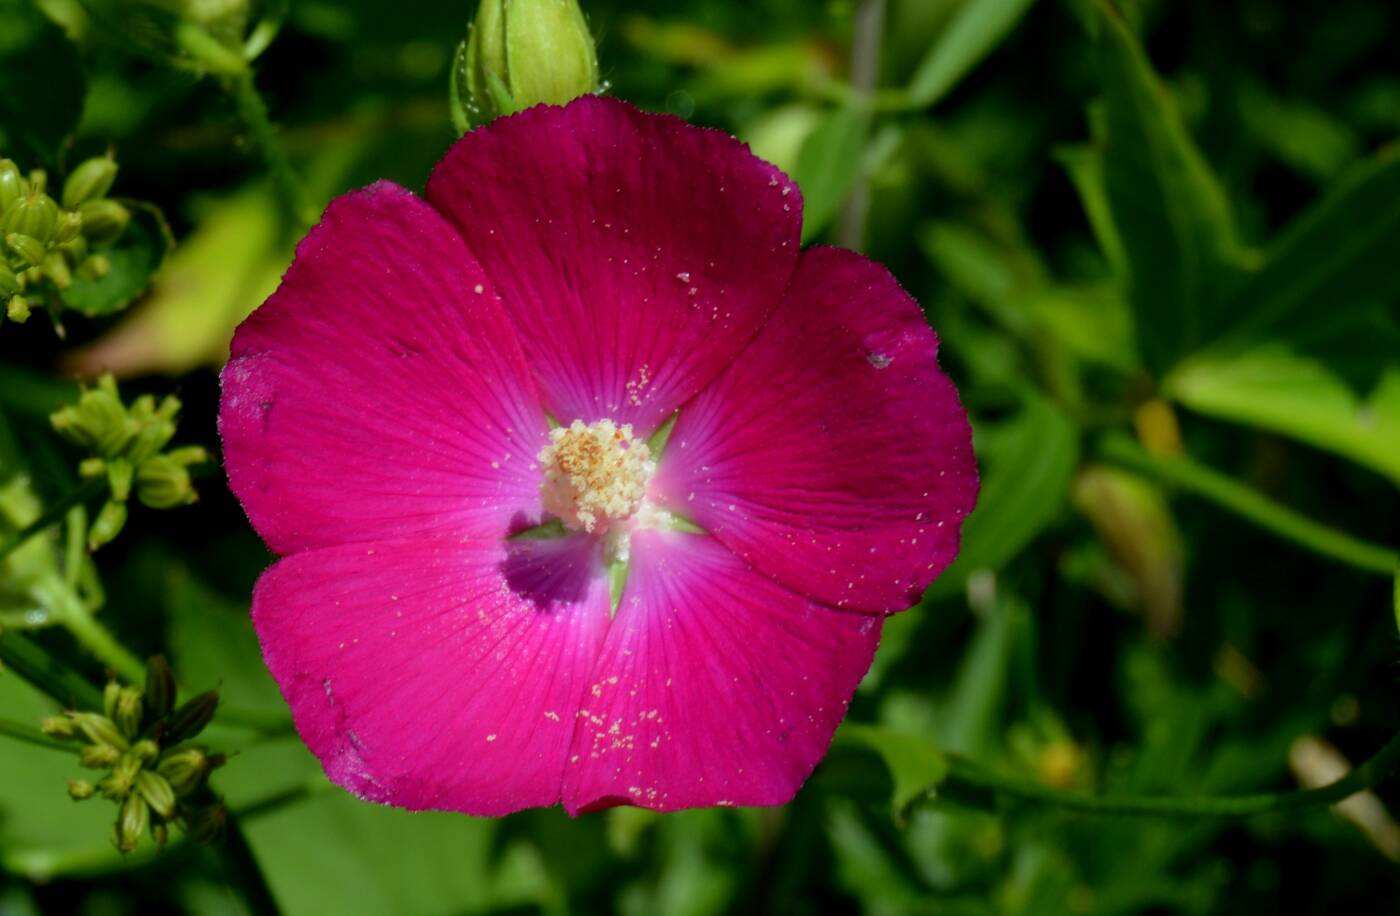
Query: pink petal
{"type": "Point", "coordinates": [380, 391]}
{"type": "Point", "coordinates": [635, 253]}
{"type": "Point", "coordinates": [437, 674]}
{"type": "Point", "coordinates": [716, 685]}
{"type": "Point", "coordinates": [833, 455]}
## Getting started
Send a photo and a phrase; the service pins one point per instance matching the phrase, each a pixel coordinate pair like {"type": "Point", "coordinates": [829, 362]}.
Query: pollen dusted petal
{"type": "Point", "coordinates": [716, 685]}
{"type": "Point", "coordinates": [637, 254]}
{"type": "Point", "coordinates": [380, 391]}
{"type": "Point", "coordinates": [436, 674]}
{"type": "Point", "coordinates": [833, 455]}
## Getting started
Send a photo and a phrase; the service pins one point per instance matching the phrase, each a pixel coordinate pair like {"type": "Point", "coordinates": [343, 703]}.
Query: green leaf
{"type": "Point", "coordinates": [1085, 167]}
{"type": "Point", "coordinates": [977, 28]}
{"type": "Point", "coordinates": [1341, 251]}
{"type": "Point", "coordinates": [134, 260]}
{"type": "Point", "coordinates": [41, 83]}
{"type": "Point", "coordinates": [915, 766]}
{"type": "Point", "coordinates": [827, 165]}
{"type": "Point", "coordinates": [1396, 599]}
{"type": "Point", "coordinates": [1274, 388]}
{"type": "Point", "coordinates": [1174, 220]}
{"type": "Point", "coordinates": [1027, 465]}
{"type": "Point", "coordinates": [336, 854]}
{"type": "Point", "coordinates": [212, 642]}
{"type": "Point", "coordinates": [39, 825]}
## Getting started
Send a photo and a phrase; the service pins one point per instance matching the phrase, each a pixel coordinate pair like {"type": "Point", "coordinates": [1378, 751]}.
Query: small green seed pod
{"type": "Point", "coordinates": [89, 181]}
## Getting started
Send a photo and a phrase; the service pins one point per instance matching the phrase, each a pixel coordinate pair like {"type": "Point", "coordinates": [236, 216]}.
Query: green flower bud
{"type": "Point", "coordinates": [163, 483]}
{"type": "Point", "coordinates": [152, 436]}
{"type": "Point", "coordinates": [160, 833]}
{"type": "Point", "coordinates": [38, 181]}
{"type": "Point", "coordinates": [191, 718]}
{"type": "Point", "coordinates": [160, 687]}
{"type": "Point", "coordinates": [522, 53]}
{"type": "Point", "coordinates": [80, 789]}
{"type": "Point", "coordinates": [99, 729]}
{"type": "Point", "coordinates": [12, 185]}
{"type": "Point", "coordinates": [119, 783]}
{"type": "Point", "coordinates": [94, 267]}
{"type": "Point", "coordinates": [9, 283]}
{"type": "Point", "coordinates": [27, 247]}
{"type": "Point", "coordinates": [110, 694]}
{"type": "Point", "coordinates": [128, 716]}
{"type": "Point", "coordinates": [132, 823]}
{"type": "Point", "coordinates": [146, 750]}
{"type": "Point", "coordinates": [103, 220]}
{"type": "Point", "coordinates": [157, 792]}
{"type": "Point", "coordinates": [34, 215]}
{"type": "Point", "coordinates": [120, 474]}
{"type": "Point", "coordinates": [56, 267]}
{"type": "Point", "coordinates": [17, 309]}
{"type": "Point", "coordinates": [99, 757]}
{"type": "Point", "coordinates": [107, 525]}
{"type": "Point", "coordinates": [70, 227]}
{"type": "Point", "coordinates": [184, 768]}
{"type": "Point", "coordinates": [98, 421]}
{"type": "Point", "coordinates": [60, 727]}
{"type": "Point", "coordinates": [89, 181]}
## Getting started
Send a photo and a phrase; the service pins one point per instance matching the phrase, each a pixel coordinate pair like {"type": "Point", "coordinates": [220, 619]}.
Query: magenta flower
{"type": "Point", "coordinates": [499, 588]}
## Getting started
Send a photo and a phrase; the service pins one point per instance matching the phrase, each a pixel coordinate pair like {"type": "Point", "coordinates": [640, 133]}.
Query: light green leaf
{"type": "Point", "coordinates": [1341, 251]}
{"type": "Point", "coordinates": [1027, 464]}
{"type": "Point", "coordinates": [40, 827]}
{"type": "Point", "coordinates": [1273, 388]}
{"type": "Point", "coordinates": [915, 766]}
{"type": "Point", "coordinates": [1174, 220]}
{"type": "Point", "coordinates": [827, 165]}
{"type": "Point", "coordinates": [977, 28]}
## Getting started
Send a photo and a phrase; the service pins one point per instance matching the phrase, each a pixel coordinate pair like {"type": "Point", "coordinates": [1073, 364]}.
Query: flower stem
{"type": "Point", "coordinates": [253, 112]}
{"type": "Point", "coordinates": [865, 73]}
{"type": "Point", "coordinates": [52, 515]}
{"type": "Point", "coordinates": [98, 640]}
{"type": "Point", "coordinates": [21, 731]}
{"type": "Point", "coordinates": [966, 775]}
{"type": "Point", "coordinates": [46, 673]}
{"type": "Point", "coordinates": [1252, 505]}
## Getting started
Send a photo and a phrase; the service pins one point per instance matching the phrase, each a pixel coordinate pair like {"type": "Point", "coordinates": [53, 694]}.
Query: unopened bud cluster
{"type": "Point", "coordinates": [140, 742]}
{"type": "Point", "coordinates": [128, 449]}
{"type": "Point", "coordinates": [48, 242]}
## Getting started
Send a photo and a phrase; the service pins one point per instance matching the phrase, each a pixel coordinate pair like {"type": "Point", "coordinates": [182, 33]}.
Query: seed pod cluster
{"type": "Point", "coordinates": [142, 741]}
{"type": "Point", "coordinates": [46, 243]}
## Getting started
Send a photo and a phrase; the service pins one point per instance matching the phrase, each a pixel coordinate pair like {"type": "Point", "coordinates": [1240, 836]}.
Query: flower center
{"type": "Point", "coordinates": [595, 474]}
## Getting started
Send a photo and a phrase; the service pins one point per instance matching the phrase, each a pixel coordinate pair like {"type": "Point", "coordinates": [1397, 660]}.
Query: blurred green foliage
{"type": "Point", "coordinates": [1175, 222]}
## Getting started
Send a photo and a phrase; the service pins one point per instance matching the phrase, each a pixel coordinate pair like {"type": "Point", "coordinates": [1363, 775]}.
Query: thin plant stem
{"type": "Point", "coordinates": [22, 731]}
{"type": "Point", "coordinates": [252, 110]}
{"type": "Point", "coordinates": [53, 515]}
{"type": "Point", "coordinates": [966, 775]}
{"type": "Point", "coordinates": [865, 73]}
{"type": "Point", "coordinates": [99, 641]}
{"type": "Point", "coordinates": [1250, 504]}
{"type": "Point", "coordinates": [47, 674]}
